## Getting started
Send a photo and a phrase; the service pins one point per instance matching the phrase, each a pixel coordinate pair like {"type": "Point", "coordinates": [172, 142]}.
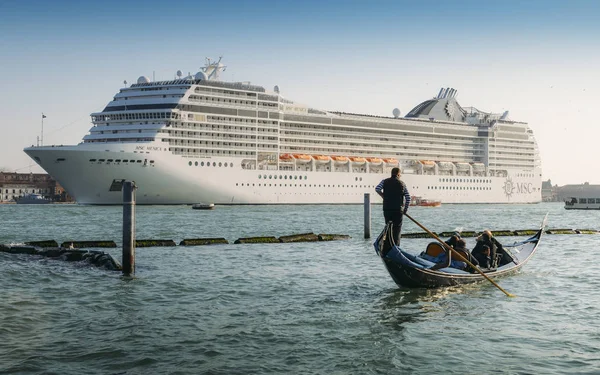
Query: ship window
{"type": "Point", "coordinates": [118, 161]}
{"type": "Point", "coordinates": [582, 200]}
{"type": "Point", "coordinates": [286, 179]}
{"type": "Point", "coordinates": [92, 160]}
{"type": "Point", "coordinates": [196, 164]}
{"type": "Point", "coordinates": [138, 161]}
{"type": "Point", "coordinates": [132, 161]}
{"type": "Point", "coordinates": [190, 163]}
{"type": "Point", "coordinates": [214, 164]}
{"type": "Point", "coordinates": [231, 164]}
{"type": "Point", "coordinates": [101, 160]}
{"type": "Point", "coordinates": [151, 161]}
{"type": "Point", "coordinates": [259, 177]}
{"type": "Point", "coordinates": [109, 160]}
{"type": "Point", "coordinates": [220, 164]}
{"type": "Point", "coordinates": [202, 164]}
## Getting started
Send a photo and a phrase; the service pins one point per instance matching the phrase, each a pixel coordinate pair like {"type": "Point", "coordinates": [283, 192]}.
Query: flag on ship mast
{"type": "Point", "coordinates": [43, 115]}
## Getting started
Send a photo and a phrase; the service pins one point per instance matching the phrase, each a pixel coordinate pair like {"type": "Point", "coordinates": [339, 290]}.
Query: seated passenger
{"type": "Point", "coordinates": [483, 257]}
{"type": "Point", "coordinates": [442, 260]}
{"type": "Point", "coordinates": [486, 238]}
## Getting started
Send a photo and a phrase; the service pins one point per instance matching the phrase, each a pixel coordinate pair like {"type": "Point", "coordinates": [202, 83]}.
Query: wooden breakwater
{"type": "Point", "coordinates": [497, 233]}
{"type": "Point", "coordinates": [73, 250]}
{"type": "Point", "coordinates": [93, 257]}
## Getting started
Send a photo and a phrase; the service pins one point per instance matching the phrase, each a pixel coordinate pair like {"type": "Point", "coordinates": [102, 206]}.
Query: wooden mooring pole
{"type": "Point", "coordinates": [367, 215]}
{"type": "Point", "coordinates": [129, 228]}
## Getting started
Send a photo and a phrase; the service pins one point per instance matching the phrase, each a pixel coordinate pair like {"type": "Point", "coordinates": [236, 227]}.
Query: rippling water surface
{"type": "Point", "coordinates": [327, 307]}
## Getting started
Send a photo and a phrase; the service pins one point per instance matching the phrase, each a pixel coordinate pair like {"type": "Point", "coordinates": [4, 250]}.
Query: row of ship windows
{"type": "Point", "coordinates": [214, 164]}
{"type": "Point", "coordinates": [459, 188]}
{"type": "Point", "coordinates": [309, 185]}
{"type": "Point", "coordinates": [119, 161]}
{"type": "Point", "coordinates": [475, 180]}
{"type": "Point", "coordinates": [136, 116]}
{"type": "Point", "coordinates": [197, 98]}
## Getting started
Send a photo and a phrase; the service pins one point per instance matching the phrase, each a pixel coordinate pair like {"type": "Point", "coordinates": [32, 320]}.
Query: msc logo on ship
{"type": "Point", "coordinates": [511, 188]}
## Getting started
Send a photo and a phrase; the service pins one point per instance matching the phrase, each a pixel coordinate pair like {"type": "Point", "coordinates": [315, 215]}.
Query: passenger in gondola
{"type": "Point", "coordinates": [483, 257]}
{"type": "Point", "coordinates": [442, 260]}
{"type": "Point", "coordinates": [497, 253]}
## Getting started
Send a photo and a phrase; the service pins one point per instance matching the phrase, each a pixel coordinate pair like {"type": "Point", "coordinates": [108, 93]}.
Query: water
{"type": "Point", "coordinates": [304, 308]}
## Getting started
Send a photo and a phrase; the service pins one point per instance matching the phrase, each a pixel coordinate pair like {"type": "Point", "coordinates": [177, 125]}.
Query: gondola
{"type": "Point", "coordinates": [412, 271]}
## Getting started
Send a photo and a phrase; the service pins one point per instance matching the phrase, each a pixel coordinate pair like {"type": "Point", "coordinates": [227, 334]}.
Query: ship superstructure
{"type": "Point", "coordinates": [198, 139]}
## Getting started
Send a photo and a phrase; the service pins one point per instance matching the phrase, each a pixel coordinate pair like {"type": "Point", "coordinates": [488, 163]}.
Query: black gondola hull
{"type": "Point", "coordinates": [411, 271]}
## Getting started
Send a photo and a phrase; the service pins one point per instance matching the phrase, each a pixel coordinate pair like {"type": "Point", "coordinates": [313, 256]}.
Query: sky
{"type": "Point", "coordinates": [540, 60]}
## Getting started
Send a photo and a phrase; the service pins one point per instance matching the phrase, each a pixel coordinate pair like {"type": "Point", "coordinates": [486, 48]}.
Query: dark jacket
{"type": "Point", "coordinates": [393, 194]}
{"type": "Point", "coordinates": [485, 261]}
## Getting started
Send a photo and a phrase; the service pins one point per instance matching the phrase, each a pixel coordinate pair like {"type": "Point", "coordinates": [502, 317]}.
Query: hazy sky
{"type": "Point", "coordinates": [538, 59]}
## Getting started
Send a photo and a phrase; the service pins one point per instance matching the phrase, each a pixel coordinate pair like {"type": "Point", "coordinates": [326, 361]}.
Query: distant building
{"type": "Point", "coordinates": [549, 191]}
{"type": "Point", "coordinates": [579, 191]}
{"type": "Point", "coordinates": [14, 185]}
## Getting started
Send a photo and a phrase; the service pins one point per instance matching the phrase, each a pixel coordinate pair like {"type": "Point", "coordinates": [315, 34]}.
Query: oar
{"type": "Point", "coordinates": [450, 249]}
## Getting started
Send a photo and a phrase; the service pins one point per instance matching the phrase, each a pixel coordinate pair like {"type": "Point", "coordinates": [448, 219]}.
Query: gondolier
{"type": "Point", "coordinates": [396, 200]}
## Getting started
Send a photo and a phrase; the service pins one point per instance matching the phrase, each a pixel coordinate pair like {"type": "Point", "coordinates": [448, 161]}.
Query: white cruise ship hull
{"type": "Point", "coordinates": [86, 171]}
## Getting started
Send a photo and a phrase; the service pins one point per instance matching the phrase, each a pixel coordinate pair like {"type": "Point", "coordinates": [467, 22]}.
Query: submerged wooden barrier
{"type": "Point", "coordinates": [155, 243]}
{"type": "Point", "coordinates": [203, 241]}
{"type": "Point", "coordinates": [333, 237]}
{"type": "Point", "coordinates": [498, 233]}
{"type": "Point", "coordinates": [47, 243]}
{"type": "Point", "coordinates": [93, 257]}
{"type": "Point", "coordinates": [86, 244]}
{"type": "Point", "coordinates": [264, 239]}
{"type": "Point", "coordinates": [304, 237]}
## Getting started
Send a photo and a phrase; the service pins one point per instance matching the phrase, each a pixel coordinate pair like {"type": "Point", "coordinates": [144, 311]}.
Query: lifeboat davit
{"type": "Point", "coordinates": [462, 166]}
{"type": "Point", "coordinates": [321, 158]}
{"type": "Point", "coordinates": [478, 167]}
{"type": "Point", "coordinates": [375, 161]}
{"type": "Point", "coordinates": [286, 157]}
{"type": "Point", "coordinates": [358, 160]}
{"type": "Point", "coordinates": [445, 165]}
{"type": "Point", "coordinates": [390, 161]}
{"type": "Point", "coordinates": [340, 159]}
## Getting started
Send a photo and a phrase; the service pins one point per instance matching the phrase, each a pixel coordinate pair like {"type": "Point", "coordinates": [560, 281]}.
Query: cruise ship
{"type": "Point", "coordinates": [197, 139]}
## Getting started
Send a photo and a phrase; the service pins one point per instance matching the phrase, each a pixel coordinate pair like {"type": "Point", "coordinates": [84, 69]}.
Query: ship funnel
{"type": "Point", "coordinates": [504, 115]}
{"type": "Point", "coordinates": [439, 95]}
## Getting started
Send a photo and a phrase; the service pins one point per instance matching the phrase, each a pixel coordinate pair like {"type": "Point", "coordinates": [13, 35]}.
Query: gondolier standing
{"type": "Point", "coordinates": [396, 200]}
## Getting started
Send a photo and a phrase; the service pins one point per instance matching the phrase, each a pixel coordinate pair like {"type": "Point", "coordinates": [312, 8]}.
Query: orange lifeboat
{"type": "Point", "coordinates": [390, 161]}
{"type": "Point", "coordinates": [286, 157]}
{"type": "Point", "coordinates": [321, 158]}
{"type": "Point", "coordinates": [340, 159]}
{"type": "Point", "coordinates": [375, 161]}
{"type": "Point", "coordinates": [358, 160]}
{"type": "Point", "coordinates": [427, 164]}
{"type": "Point", "coordinates": [302, 158]}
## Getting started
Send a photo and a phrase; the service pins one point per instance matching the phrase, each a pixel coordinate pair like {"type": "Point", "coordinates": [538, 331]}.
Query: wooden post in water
{"type": "Point", "coordinates": [367, 215]}
{"type": "Point", "coordinates": [129, 228]}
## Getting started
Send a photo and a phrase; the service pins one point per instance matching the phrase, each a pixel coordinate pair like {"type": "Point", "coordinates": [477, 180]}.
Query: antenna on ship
{"type": "Point", "coordinates": [179, 74]}
{"type": "Point", "coordinates": [396, 112]}
{"type": "Point", "coordinates": [42, 137]}
{"type": "Point", "coordinates": [212, 69]}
